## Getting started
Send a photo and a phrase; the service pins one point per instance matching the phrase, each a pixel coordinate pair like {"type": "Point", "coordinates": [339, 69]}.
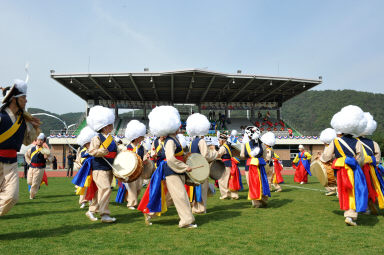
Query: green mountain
{"type": "Point", "coordinates": [50, 123]}
{"type": "Point", "coordinates": [312, 111]}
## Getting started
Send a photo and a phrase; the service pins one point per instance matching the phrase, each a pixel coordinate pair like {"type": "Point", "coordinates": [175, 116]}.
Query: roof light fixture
{"type": "Point", "coordinates": [270, 83]}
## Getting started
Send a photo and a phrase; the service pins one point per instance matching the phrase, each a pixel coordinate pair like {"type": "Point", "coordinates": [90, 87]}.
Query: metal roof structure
{"type": "Point", "coordinates": [194, 86]}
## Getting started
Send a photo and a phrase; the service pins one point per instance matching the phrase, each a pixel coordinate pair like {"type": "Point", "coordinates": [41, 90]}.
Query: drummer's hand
{"type": "Point", "coordinates": [189, 169]}
{"type": "Point", "coordinates": [35, 122]}
{"type": "Point", "coordinates": [104, 151]}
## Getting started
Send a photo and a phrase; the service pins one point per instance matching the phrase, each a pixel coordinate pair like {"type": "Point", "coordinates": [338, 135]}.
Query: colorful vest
{"type": "Point", "coordinates": [368, 143]}
{"type": "Point", "coordinates": [159, 150]}
{"type": "Point", "coordinates": [351, 141]}
{"type": "Point", "coordinates": [83, 154]}
{"type": "Point", "coordinates": [99, 163]}
{"type": "Point", "coordinates": [227, 155]}
{"type": "Point", "coordinates": [37, 159]}
{"type": "Point", "coordinates": [11, 137]}
{"type": "Point", "coordinates": [139, 150]}
{"type": "Point", "coordinates": [178, 154]}
{"type": "Point", "coordinates": [194, 147]}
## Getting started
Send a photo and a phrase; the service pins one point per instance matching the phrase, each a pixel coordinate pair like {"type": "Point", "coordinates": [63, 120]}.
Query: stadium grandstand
{"type": "Point", "coordinates": [230, 101]}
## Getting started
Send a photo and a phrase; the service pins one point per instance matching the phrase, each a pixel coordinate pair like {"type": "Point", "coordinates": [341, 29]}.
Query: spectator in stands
{"type": "Point", "coordinates": [210, 115]}
{"type": "Point", "coordinates": [214, 115]}
{"type": "Point", "coordinates": [54, 163]}
{"type": "Point", "coordinates": [290, 132]}
{"type": "Point", "coordinates": [70, 158]}
{"type": "Point", "coordinates": [259, 115]}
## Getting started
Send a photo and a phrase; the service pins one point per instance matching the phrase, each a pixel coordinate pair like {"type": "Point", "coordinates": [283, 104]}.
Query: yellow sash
{"type": "Point", "coordinates": [81, 158]}
{"type": "Point", "coordinates": [107, 142]}
{"type": "Point", "coordinates": [159, 146]}
{"type": "Point", "coordinates": [375, 181]}
{"type": "Point", "coordinates": [338, 147]}
{"type": "Point", "coordinates": [229, 150]}
{"type": "Point", "coordinates": [367, 158]}
{"type": "Point", "coordinates": [11, 131]}
{"type": "Point", "coordinates": [35, 152]}
{"type": "Point", "coordinates": [340, 162]}
{"type": "Point", "coordinates": [254, 161]}
{"type": "Point", "coordinates": [275, 155]}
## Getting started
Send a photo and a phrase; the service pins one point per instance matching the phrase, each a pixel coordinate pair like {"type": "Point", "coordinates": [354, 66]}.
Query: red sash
{"type": "Point", "coordinates": [111, 154]}
{"type": "Point", "coordinates": [8, 153]}
{"type": "Point", "coordinates": [37, 164]}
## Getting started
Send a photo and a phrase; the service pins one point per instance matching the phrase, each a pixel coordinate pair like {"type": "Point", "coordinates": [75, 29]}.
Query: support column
{"type": "Point", "coordinates": [199, 108]}
{"type": "Point", "coordinates": [252, 114]}
{"type": "Point", "coordinates": [116, 112]}
{"type": "Point", "coordinates": [145, 112]}
{"type": "Point", "coordinates": [278, 114]}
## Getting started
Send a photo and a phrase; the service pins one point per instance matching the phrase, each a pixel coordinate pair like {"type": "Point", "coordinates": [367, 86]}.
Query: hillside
{"type": "Point", "coordinates": [312, 111]}
{"type": "Point", "coordinates": [50, 123]}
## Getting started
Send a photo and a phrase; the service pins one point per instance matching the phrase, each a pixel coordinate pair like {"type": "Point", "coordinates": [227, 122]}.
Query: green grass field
{"type": "Point", "coordinates": [296, 221]}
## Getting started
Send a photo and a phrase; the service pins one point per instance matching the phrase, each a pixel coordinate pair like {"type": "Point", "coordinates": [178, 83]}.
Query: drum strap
{"type": "Point", "coordinates": [366, 146]}
{"type": "Point", "coordinates": [337, 143]}
{"type": "Point", "coordinates": [12, 130]}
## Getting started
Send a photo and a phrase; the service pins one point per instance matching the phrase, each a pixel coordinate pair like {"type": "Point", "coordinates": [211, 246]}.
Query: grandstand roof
{"type": "Point", "coordinates": [187, 86]}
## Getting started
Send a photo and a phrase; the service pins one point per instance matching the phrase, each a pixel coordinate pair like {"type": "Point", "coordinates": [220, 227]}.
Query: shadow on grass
{"type": "Point", "coordinates": [362, 220]}
{"type": "Point", "coordinates": [43, 233]}
{"type": "Point", "coordinates": [40, 202]}
{"type": "Point", "coordinates": [225, 207]}
{"type": "Point", "coordinates": [276, 203]}
{"type": "Point", "coordinates": [33, 214]}
{"type": "Point", "coordinates": [216, 216]}
{"type": "Point", "coordinates": [202, 219]}
{"type": "Point", "coordinates": [49, 196]}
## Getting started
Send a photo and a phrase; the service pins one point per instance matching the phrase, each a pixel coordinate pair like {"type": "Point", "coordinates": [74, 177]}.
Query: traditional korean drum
{"type": "Point", "coordinates": [216, 169]}
{"type": "Point", "coordinates": [319, 170]}
{"type": "Point", "coordinates": [127, 166]}
{"type": "Point", "coordinates": [200, 169]}
{"type": "Point", "coordinates": [237, 149]}
{"type": "Point", "coordinates": [148, 169]}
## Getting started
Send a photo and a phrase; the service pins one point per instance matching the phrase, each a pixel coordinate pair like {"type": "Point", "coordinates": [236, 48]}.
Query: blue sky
{"type": "Point", "coordinates": [343, 41]}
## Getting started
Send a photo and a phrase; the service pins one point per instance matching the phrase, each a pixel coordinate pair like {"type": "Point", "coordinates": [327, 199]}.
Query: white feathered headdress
{"type": "Point", "coordinates": [100, 117]}
{"type": "Point", "coordinates": [197, 125]}
{"type": "Point", "coordinates": [268, 139]}
{"type": "Point", "coordinates": [327, 135]}
{"type": "Point", "coordinates": [164, 120]}
{"type": "Point", "coordinates": [371, 125]}
{"type": "Point", "coordinates": [134, 130]}
{"type": "Point", "coordinates": [350, 120]}
{"type": "Point", "coordinates": [85, 136]}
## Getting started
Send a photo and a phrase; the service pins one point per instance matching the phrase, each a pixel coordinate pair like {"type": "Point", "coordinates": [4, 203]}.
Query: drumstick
{"type": "Point", "coordinates": [197, 167]}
